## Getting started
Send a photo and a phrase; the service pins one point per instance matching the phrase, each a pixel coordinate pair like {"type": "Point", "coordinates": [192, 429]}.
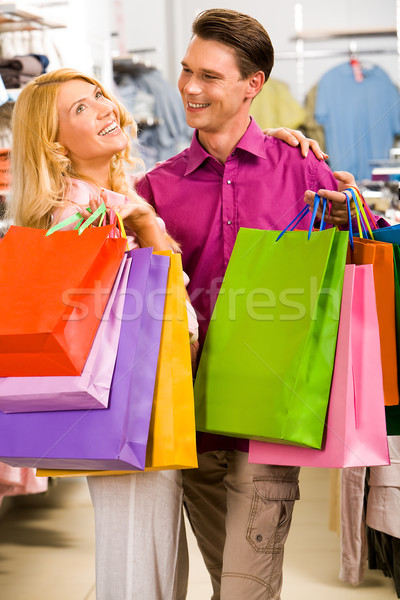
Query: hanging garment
{"type": "Point", "coordinates": [384, 493]}
{"type": "Point", "coordinates": [310, 127]}
{"type": "Point", "coordinates": [360, 118]}
{"type": "Point", "coordinates": [17, 481]}
{"type": "Point", "coordinates": [275, 106]}
{"type": "Point", "coordinates": [384, 554]}
{"type": "Point", "coordinates": [171, 134]}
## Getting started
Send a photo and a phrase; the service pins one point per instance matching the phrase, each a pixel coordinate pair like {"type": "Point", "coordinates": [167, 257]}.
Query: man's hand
{"type": "Point", "coordinates": [338, 213]}
{"type": "Point", "coordinates": [294, 137]}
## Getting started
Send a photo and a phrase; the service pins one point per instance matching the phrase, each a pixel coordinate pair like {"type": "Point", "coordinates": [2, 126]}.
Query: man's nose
{"type": "Point", "coordinates": [193, 86]}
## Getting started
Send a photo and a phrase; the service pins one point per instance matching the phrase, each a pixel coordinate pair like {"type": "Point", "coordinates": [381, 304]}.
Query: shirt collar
{"type": "Point", "coordinates": [253, 141]}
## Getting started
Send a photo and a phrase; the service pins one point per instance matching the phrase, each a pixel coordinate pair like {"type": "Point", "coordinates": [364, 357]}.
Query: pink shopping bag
{"type": "Point", "coordinates": [89, 390]}
{"type": "Point", "coordinates": [355, 431]}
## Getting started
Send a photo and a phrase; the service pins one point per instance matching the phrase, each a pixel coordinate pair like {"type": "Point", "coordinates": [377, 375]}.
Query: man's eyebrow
{"type": "Point", "coordinates": [207, 71]}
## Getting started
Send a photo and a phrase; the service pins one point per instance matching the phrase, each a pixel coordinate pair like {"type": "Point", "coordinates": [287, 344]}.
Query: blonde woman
{"type": "Point", "coordinates": [70, 148]}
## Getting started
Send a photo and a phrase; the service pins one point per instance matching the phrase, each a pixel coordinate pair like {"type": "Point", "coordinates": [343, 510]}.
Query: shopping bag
{"type": "Point", "coordinates": [171, 443]}
{"type": "Point", "coordinates": [392, 420]}
{"type": "Point", "coordinates": [380, 255]}
{"type": "Point", "coordinates": [172, 436]}
{"type": "Point", "coordinates": [391, 234]}
{"type": "Point", "coordinates": [91, 389]}
{"type": "Point", "coordinates": [266, 367]}
{"type": "Point", "coordinates": [116, 437]}
{"type": "Point", "coordinates": [53, 292]}
{"type": "Point", "coordinates": [396, 270]}
{"type": "Point", "coordinates": [355, 431]}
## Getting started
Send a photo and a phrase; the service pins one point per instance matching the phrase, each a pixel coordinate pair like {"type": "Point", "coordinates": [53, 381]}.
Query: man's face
{"type": "Point", "coordinates": [213, 92]}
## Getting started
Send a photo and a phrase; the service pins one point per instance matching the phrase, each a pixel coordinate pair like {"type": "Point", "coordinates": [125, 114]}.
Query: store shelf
{"type": "Point", "coordinates": [129, 63]}
{"type": "Point", "coordinates": [13, 18]}
{"type": "Point", "coordinates": [343, 33]}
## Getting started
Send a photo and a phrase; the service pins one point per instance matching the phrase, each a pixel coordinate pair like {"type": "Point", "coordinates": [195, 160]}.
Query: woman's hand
{"type": "Point", "coordinates": [294, 137]}
{"type": "Point", "coordinates": [338, 214]}
{"type": "Point", "coordinates": [94, 202]}
{"type": "Point", "coordinates": [136, 216]}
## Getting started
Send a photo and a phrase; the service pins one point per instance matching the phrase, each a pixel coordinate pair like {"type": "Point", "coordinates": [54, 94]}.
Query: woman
{"type": "Point", "coordinates": [71, 145]}
{"type": "Point", "coordinates": [70, 149]}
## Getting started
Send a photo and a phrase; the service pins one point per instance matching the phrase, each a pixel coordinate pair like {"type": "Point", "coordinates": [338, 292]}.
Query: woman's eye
{"type": "Point", "coordinates": [98, 94]}
{"type": "Point", "coordinates": [79, 108]}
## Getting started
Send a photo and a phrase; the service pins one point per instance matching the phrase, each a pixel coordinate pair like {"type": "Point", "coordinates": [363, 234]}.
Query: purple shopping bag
{"type": "Point", "coordinates": [91, 389]}
{"type": "Point", "coordinates": [355, 431]}
{"type": "Point", "coordinates": [116, 437]}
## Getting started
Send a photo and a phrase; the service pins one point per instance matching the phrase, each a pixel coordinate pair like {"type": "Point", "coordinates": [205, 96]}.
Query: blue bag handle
{"type": "Point", "coordinates": [294, 222]}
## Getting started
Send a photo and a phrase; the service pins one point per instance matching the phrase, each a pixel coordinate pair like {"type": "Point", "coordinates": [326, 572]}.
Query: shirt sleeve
{"type": "Point", "coordinates": [143, 188]}
{"type": "Point", "coordinates": [322, 177]}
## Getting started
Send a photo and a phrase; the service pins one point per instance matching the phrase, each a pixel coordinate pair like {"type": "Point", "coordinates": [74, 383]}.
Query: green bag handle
{"type": "Point", "coordinates": [99, 212]}
{"type": "Point", "coordinates": [81, 224]}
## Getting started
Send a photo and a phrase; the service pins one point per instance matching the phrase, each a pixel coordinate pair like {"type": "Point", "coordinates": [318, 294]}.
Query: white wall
{"type": "Point", "coordinates": [165, 25]}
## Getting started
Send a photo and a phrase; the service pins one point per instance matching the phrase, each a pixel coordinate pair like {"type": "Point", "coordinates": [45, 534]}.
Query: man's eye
{"type": "Point", "coordinates": [206, 76]}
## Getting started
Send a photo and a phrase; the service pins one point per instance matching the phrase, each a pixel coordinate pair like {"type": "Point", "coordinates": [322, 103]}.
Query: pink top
{"type": "Point", "coordinates": [79, 198]}
{"type": "Point", "coordinates": [80, 193]}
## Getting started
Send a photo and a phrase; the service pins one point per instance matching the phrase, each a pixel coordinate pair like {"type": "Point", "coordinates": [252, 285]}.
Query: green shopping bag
{"type": "Point", "coordinates": [266, 366]}
{"type": "Point", "coordinates": [393, 412]}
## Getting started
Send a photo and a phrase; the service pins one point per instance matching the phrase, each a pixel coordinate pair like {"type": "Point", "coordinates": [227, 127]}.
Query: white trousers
{"type": "Point", "coordinates": [141, 551]}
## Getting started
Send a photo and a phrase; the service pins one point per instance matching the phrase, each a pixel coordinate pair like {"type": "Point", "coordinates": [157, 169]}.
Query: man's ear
{"type": "Point", "coordinates": [255, 83]}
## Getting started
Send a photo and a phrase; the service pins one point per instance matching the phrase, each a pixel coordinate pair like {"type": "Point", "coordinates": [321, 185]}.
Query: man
{"type": "Point", "coordinates": [233, 176]}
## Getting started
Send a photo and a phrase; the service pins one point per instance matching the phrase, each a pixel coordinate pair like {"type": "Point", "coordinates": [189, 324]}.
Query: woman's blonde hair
{"type": "Point", "coordinates": [40, 168]}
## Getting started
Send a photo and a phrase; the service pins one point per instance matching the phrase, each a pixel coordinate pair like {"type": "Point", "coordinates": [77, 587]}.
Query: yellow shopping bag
{"type": "Point", "coordinates": [172, 436]}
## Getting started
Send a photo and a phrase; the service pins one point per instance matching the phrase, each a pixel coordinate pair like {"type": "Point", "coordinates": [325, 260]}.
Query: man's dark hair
{"type": "Point", "coordinates": [248, 38]}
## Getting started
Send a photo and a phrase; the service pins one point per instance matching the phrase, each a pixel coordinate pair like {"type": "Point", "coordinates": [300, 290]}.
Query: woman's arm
{"type": "Point", "coordinates": [294, 137]}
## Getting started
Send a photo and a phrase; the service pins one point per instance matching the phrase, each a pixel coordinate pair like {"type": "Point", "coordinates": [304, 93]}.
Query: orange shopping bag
{"type": "Point", "coordinates": [53, 292]}
{"type": "Point", "coordinates": [380, 255]}
{"type": "Point", "coordinates": [172, 437]}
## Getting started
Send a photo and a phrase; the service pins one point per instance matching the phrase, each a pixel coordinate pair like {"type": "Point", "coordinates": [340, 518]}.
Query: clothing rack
{"type": "Point", "coordinates": [300, 54]}
{"type": "Point", "coordinates": [331, 53]}
{"type": "Point", "coordinates": [133, 61]}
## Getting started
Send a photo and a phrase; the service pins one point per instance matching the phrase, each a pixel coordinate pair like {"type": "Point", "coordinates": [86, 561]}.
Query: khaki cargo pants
{"type": "Point", "coordinates": [241, 514]}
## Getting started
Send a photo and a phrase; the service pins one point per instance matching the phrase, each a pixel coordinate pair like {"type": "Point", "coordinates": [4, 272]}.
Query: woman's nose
{"type": "Point", "coordinates": [104, 109]}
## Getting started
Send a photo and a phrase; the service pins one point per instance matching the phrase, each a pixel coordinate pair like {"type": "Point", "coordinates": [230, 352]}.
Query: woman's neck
{"type": "Point", "coordinates": [96, 173]}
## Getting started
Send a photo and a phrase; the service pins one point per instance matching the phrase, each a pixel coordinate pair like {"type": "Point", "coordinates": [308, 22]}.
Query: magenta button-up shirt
{"type": "Point", "coordinates": [204, 203]}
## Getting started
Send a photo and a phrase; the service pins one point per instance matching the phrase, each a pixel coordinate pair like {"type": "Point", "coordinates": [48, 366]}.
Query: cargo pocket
{"type": "Point", "coordinates": [271, 514]}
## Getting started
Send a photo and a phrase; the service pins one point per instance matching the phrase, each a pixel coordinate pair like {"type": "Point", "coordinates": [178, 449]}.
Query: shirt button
{"type": "Point", "coordinates": [229, 222]}
{"type": "Point", "coordinates": [229, 182]}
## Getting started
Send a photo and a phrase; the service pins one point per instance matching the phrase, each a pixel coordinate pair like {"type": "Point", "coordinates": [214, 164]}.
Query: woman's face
{"type": "Point", "coordinates": [88, 125]}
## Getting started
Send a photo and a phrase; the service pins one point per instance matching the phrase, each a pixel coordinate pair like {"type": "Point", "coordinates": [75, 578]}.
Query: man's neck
{"type": "Point", "coordinates": [220, 144]}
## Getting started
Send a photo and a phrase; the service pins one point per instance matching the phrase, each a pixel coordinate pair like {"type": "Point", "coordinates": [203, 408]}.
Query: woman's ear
{"type": "Point", "coordinates": [255, 83]}
{"type": "Point", "coordinates": [60, 149]}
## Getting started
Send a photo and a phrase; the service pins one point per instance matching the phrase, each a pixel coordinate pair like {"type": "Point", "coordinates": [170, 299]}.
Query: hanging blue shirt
{"type": "Point", "coordinates": [360, 118]}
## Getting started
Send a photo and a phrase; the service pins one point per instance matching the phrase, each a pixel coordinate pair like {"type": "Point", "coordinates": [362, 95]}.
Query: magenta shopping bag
{"type": "Point", "coordinates": [116, 437]}
{"type": "Point", "coordinates": [355, 431]}
{"type": "Point", "coordinates": [91, 389]}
